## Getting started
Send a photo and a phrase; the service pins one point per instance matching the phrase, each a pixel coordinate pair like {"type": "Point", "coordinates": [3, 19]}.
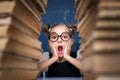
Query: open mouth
{"type": "Point", "coordinates": [60, 48]}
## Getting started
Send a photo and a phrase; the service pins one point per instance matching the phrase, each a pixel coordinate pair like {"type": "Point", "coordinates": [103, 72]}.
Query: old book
{"type": "Point", "coordinates": [109, 13]}
{"type": "Point", "coordinates": [92, 46]}
{"type": "Point", "coordinates": [38, 6]}
{"type": "Point", "coordinates": [109, 4]}
{"type": "Point", "coordinates": [9, 61]}
{"type": "Point", "coordinates": [13, 21]}
{"type": "Point", "coordinates": [108, 24]}
{"type": "Point", "coordinates": [85, 46]}
{"type": "Point", "coordinates": [106, 45]}
{"type": "Point", "coordinates": [106, 34]}
{"type": "Point", "coordinates": [15, 33]}
{"type": "Point", "coordinates": [38, 9]}
{"type": "Point", "coordinates": [81, 9]}
{"type": "Point", "coordinates": [84, 26]}
{"type": "Point", "coordinates": [76, 4]}
{"type": "Point", "coordinates": [102, 63]}
{"type": "Point", "coordinates": [101, 41]}
{"type": "Point", "coordinates": [44, 2]}
{"type": "Point", "coordinates": [16, 47]}
{"type": "Point", "coordinates": [89, 76]}
{"type": "Point", "coordinates": [109, 9]}
{"type": "Point", "coordinates": [19, 10]}
{"type": "Point", "coordinates": [18, 74]}
{"type": "Point", "coordinates": [87, 23]}
{"type": "Point", "coordinates": [108, 77]}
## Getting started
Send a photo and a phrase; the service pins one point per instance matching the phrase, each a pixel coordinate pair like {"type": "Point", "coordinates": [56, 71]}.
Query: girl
{"type": "Point", "coordinates": [61, 62]}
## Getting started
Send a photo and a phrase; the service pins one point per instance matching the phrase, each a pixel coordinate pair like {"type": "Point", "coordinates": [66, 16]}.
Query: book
{"type": "Point", "coordinates": [76, 4]}
{"type": "Point", "coordinates": [85, 24]}
{"type": "Point", "coordinates": [89, 76]}
{"type": "Point", "coordinates": [111, 24]}
{"type": "Point", "coordinates": [15, 33]}
{"type": "Point", "coordinates": [18, 74]}
{"type": "Point", "coordinates": [16, 47]}
{"type": "Point", "coordinates": [44, 2]}
{"type": "Point", "coordinates": [106, 34]}
{"type": "Point", "coordinates": [108, 77]}
{"type": "Point", "coordinates": [81, 9]}
{"type": "Point", "coordinates": [18, 10]}
{"type": "Point", "coordinates": [102, 63]}
{"type": "Point", "coordinates": [99, 30]}
{"type": "Point", "coordinates": [109, 4]}
{"type": "Point", "coordinates": [10, 61]}
{"type": "Point", "coordinates": [38, 6]}
{"type": "Point", "coordinates": [20, 49]}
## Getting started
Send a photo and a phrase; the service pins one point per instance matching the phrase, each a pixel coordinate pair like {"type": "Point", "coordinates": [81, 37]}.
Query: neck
{"type": "Point", "coordinates": [61, 59]}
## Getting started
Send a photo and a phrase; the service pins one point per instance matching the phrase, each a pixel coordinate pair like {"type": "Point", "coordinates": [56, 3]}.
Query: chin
{"type": "Point", "coordinates": [60, 55]}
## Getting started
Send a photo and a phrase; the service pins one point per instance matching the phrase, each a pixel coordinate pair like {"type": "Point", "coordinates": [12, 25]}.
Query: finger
{"type": "Point", "coordinates": [69, 44]}
{"type": "Point", "coordinates": [54, 49]}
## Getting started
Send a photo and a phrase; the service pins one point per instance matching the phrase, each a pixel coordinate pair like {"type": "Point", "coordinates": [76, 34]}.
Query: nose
{"type": "Point", "coordinates": [59, 39]}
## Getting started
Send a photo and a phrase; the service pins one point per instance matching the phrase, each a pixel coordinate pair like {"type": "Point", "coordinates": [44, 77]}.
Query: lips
{"type": "Point", "coordinates": [60, 48]}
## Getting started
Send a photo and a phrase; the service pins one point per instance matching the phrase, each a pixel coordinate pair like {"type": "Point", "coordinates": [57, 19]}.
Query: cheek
{"type": "Point", "coordinates": [54, 44]}
{"type": "Point", "coordinates": [69, 43]}
{"type": "Point", "coordinates": [50, 43]}
{"type": "Point", "coordinates": [64, 44]}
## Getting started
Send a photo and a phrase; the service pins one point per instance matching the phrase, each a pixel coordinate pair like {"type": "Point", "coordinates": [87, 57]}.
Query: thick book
{"type": "Point", "coordinates": [76, 4]}
{"type": "Point", "coordinates": [109, 9]}
{"type": "Point", "coordinates": [89, 76]}
{"type": "Point", "coordinates": [18, 34]}
{"type": "Point", "coordinates": [110, 34]}
{"type": "Point", "coordinates": [18, 74]}
{"type": "Point", "coordinates": [11, 45]}
{"type": "Point", "coordinates": [84, 26]}
{"type": "Point", "coordinates": [102, 63]}
{"type": "Point", "coordinates": [19, 10]}
{"type": "Point", "coordinates": [108, 77]}
{"type": "Point", "coordinates": [12, 61]}
{"type": "Point", "coordinates": [37, 6]}
{"type": "Point", "coordinates": [109, 4]}
{"type": "Point", "coordinates": [81, 9]}
{"type": "Point", "coordinates": [87, 23]}
{"type": "Point", "coordinates": [100, 34]}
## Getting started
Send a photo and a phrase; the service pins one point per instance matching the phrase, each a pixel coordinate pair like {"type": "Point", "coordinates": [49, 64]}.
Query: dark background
{"type": "Point", "coordinates": [59, 11]}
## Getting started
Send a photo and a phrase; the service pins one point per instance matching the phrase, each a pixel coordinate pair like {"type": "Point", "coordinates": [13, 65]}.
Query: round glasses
{"type": "Point", "coordinates": [65, 36]}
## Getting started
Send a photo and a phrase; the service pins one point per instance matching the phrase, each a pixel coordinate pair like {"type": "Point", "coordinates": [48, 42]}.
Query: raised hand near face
{"type": "Point", "coordinates": [67, 49]}
{"type": "Point", "coordinates": [53, 50]}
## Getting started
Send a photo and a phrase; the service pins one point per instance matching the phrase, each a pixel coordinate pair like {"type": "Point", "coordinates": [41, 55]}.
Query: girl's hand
{"type": "Point", "coordinates": [53, 50]}
{"type": "Point", "coordinates": [67, 49]}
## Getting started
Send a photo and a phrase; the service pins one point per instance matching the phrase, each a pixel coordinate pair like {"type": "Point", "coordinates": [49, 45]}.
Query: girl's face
{"type": "Point", "coordinates": [61, 37]}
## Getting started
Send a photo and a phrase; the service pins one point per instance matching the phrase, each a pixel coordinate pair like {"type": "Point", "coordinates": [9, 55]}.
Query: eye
{"type": "Point", "coordinates": [65, 36]}
{"type": "Point", "coordinates": [53, 37]}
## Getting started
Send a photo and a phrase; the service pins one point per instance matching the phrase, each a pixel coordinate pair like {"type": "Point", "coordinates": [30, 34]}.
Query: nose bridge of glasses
{"type": "Point", "coordinates": [59, 37]}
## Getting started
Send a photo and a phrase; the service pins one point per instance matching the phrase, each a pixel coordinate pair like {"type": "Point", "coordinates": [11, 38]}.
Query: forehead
{"type": "Point", "coordinates": [60, 29]}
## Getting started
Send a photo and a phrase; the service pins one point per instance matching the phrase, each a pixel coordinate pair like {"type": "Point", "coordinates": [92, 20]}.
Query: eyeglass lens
{"type": "Point", "coordinates": [64, 36]}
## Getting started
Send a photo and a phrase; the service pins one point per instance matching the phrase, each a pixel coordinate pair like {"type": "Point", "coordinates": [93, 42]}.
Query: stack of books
{"type": "Point", "coordinates": [20, 49]}
{"type": "Point", "coordinates": [99, 27]}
